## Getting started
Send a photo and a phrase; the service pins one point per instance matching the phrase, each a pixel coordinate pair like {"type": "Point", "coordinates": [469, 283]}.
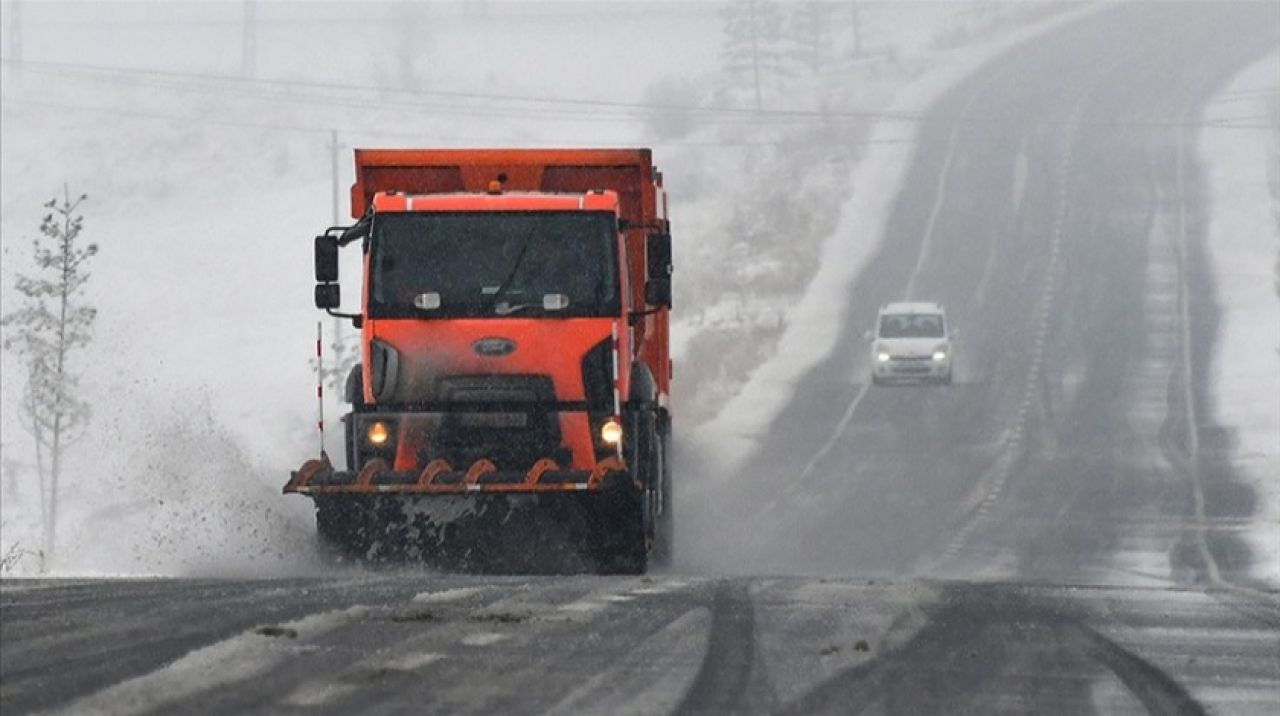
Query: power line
{"type": "Point", "coordinates": [419, 136]}
{"type": "Point", "coordinates": [282, 92]}
{"type": "Point", "coordinates": [475, 96]}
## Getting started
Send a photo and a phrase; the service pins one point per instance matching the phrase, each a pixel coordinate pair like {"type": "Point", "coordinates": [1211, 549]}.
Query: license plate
{"type": "Point", "coordinates": [507, 421]}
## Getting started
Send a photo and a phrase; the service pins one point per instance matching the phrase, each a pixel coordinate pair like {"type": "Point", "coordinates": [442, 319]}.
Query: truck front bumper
{"type": "Point", "coordinates": [439, 477]}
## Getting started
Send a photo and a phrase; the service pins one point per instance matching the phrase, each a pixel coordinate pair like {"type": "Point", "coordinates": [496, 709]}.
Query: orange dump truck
{"type": "Point", "coordinates": [514, 341]}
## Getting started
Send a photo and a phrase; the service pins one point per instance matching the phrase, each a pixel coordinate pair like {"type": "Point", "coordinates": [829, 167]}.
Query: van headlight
{"type": "Point", "coordinates": [882, 356]}
{"type": "Point", "coordinates": [940, 353]}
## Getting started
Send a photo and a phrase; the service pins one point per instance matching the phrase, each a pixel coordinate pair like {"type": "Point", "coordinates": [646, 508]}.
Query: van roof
{"type": "Point", "coordinates": [912, 307]}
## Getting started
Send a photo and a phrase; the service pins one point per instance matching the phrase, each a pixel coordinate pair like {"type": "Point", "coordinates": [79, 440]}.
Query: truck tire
{"type": "Point", "coordinates": [664, 537]}
{"type": "Point", "coordinates": [353, 389]}
{"type": "Point", "coordinates": [353, 393]}
{"type": "Point", "coordinates": [627, 518]}
{"type": "Point", "coordinates": [349, 440]}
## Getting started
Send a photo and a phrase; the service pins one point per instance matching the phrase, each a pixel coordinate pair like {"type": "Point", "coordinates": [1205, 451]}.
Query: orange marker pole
{"type": "Point", "coordinates": [320, 382]}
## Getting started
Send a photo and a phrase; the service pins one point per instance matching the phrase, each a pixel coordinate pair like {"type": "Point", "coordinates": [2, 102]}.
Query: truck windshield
{"type": "Point", "coordinates": [911, 325]}
{"type": "Point", "coordinates": [493, 264]}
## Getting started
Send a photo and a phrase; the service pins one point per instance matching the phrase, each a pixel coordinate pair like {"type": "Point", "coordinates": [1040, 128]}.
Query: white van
{"type": "Point", "coordinates": [911, 343]}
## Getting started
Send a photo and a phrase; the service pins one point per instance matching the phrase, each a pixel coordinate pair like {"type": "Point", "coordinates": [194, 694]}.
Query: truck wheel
{"type": "Point", "coordinates": [627, 518]}
{"type": "Point", "coordinates": [353, 392]}
{"type": "Point", "coordinates": [349, 439]}
{"type": "Point", "coordinates": [664, 537]}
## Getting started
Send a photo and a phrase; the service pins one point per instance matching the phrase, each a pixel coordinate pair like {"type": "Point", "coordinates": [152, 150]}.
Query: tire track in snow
{"type": "Point", "coordinates": [991, 488]}
{"type": "Point", "coordinates": [219, 665]}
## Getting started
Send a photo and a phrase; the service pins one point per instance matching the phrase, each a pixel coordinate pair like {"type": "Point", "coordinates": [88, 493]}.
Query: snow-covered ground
{"type": "Point", "coordinates": [1243, 166]}
{"type": "Point", "coordinates": [207, 173]}
{"type": "Point", "coordinates": [206, 181]}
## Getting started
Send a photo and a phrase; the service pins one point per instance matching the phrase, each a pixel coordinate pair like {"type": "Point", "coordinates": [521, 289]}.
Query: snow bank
{"type": "Point", "coordinates": [1243, 167]}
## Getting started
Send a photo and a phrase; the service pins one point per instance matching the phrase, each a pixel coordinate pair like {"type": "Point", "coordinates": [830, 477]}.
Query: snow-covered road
{"type": "Point", "coordinates": [421, 643]}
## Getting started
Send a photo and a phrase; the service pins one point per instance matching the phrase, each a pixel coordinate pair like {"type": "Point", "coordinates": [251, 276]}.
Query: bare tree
{"type": "Point", "coordinates": [856, 26]}
{"type": "Point", "coordinates": [809, 40]}
{"type": "Point", "coordinates": [752, 44]}
{"type": "Point", "coordinates": [249, 39]}
{"type": "Point", "coordinates": [409, 44]}
{"type": "Point", "coordinates": [52, 323]}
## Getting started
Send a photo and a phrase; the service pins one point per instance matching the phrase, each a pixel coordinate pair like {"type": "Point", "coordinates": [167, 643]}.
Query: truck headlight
{"type": "Point", "coordinates": [611, 432]}
{"type": "Point", "coordinates": [378, 433]}
{"type": "Point", "coordinates": [882, 356]}
{"type": "Point", "coordinates": [939, 356]}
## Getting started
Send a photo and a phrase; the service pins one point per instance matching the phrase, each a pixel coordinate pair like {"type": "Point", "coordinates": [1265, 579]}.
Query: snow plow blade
{"type": "Point", "coordinates": [441, 478]}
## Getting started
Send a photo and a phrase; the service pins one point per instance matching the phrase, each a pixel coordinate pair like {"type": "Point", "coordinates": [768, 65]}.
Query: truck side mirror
{"type": "Point", "coordinates": [326, 259]}
{"type": "Point", "coordinates": [657, 290]}
{"type": "Point", "coordinates": [658, 253]}
{"type": "Point", "coordinates": [328, 295]}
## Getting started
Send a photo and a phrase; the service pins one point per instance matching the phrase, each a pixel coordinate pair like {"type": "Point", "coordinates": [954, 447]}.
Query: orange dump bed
{"type": "Point", "coordinates": [629, 172]}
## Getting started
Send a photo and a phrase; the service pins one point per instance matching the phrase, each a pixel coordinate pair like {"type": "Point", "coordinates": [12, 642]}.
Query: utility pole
{"type": "Point", "coordinates": [857, 31]}
{"type": "Point", "coordinates": [249, 40]}
{"type": "Point", "coordinates": [755, 54]}
{"type": "Point", "coordinates": [334, 147]}
{"type": "Point", "coordinates": [15, 35]}
{"type": "Point", "coordinates": [333, 171]}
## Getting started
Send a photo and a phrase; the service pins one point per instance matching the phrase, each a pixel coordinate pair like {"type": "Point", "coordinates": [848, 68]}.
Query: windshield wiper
{"type": "Point", "coordinates": [515, 268]}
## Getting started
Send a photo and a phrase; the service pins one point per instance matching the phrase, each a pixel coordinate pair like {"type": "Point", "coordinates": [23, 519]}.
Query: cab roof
{"type": "Point", "coordinates": [912, 307]}
{"type": "Point", "coordinates": [604, 200]}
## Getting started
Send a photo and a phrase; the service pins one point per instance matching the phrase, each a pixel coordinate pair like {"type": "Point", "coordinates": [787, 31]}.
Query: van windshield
{"type": "Point", "coordinates": [912, 325]}
{"type": "Point", "coordinates": [493, 264]}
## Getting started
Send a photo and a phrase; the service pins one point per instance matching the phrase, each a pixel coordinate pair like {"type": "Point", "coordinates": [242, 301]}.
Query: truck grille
{"type": "Point", "coordinates": [507, 419]}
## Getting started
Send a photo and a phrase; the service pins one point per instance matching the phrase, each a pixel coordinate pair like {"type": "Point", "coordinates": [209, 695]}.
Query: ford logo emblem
{"type": "Point", "coordinates": [494, 347]}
